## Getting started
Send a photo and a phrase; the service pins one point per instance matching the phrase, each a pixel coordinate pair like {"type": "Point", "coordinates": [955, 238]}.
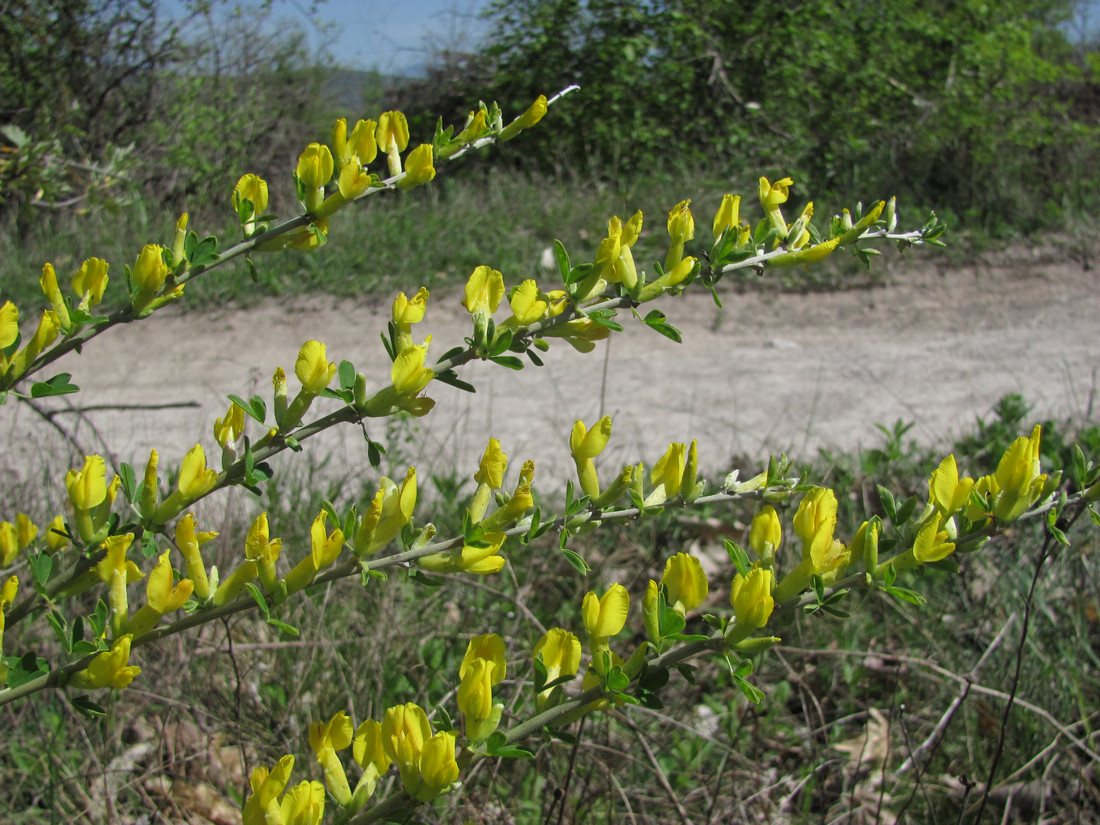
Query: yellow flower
{"type": "Point", "coordinates": [313, 368]}
{"type": "Point", "coordinates": [195, 479]}
{"type": "Point", "coordinates": [55, 538]}
{"type": "Point", "coordinates": [931, 543]}
{"type": "Point", "coordinates": [263, 550]}
{"type": "Point", "coordinates": [389, 511]}
{"type": "Point", "coordinates": [189, 543]}
{"type": "Point", "coordinates": [483, 667]}
{"type": "Point", "coordinates": [262, 807]}
{"type": "Point", "coordinates": [585, 445]}
{"type": "Point", "coordinates": [109, 669]}
{"type": "Point", "coordinates": [304, 804]}
{"type": "Point", "coordinates": [493, 464]}
{"type": "Point", "coordinates": [46, 334]}
{"type": "Point", "coordinates": [669, 470]}
{"type": "Point", "coordinates": [946, 491]}
{"type": "Point", "coordinates": [727, 216]}
{"type": "Point", "coordinates": [324, 549]}
{"type": "Point", "coordinates": [405, 729]}
{"type": "Point", "coordinates": [480, 560]}
{"type": "Point", "coordinates": [392, 136]}
{"type": "Point", "coordinates": [368, 753]}
{"type": "Point", "coordinates": [528, 303]}
{"type": "Point", "coordinates": [1018, 478]}
{"type": "Point", "coordinates": [325, 739]}
{"type": "Point", "coordinates": [774, 195]}
{"type": "Point", "coordinates": [751, 598]}
{"type": "Point", "coordinates": [561, 656]}
{"type": "Point", "coordinates": [408, 311]}
{"type": "Point", "coordinates": [361, 144]}
{"type": "Point", "coordinates": [88, 486]}
{"type": "Point", "coordinates": [484, 290]}
{"type": "Point", "coordinates": [766, 532]}
{"type": "Point", "coordinates": [685, 582]}
{"type": "Point", "coordinates": [90, 281]}
{"type": "Point", "coordinates": [162, 595]}
{"type": "Point", "coordinates": [250, 200]}
{"type": "Point", "coordinates": [9, 324]}
{"type": "Point", "coordinates": [408, 373]}
{"type": "Point", "coordinates": [419, 168]}
{"type": "Point", "coordinates": [229, 429]}
{"type": "Point", "coordinates": [437, 769]}
{"type": "Point", "coordinates": [314, 170]}
{"type": "Point", "coordinates": [148, 275]}
{"type": "Point", "coordinates": [681, 228]}
{"type": "Point", "coordinates": [116, 571]}
{"type": "Point", "coordinates": [353, 181]}
{"type": "Point", "coordinates": [605, 616]}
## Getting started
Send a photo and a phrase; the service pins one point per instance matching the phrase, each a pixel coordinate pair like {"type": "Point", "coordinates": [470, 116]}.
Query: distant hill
{"type": "Point", "coordinates": [353, 92]}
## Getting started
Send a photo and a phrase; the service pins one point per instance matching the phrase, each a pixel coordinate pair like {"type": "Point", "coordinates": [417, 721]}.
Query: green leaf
{"type": "Point", "coordinates": [509, 361]}
{"type": "Point", "coordinates": [258, 597]}
{"type": "Point", "coordinates": [738, 557]}
{"type": "Point", "coordinates": [86, 707]}
{"type": "Point", "coordinates": [254, 408]}
{"type": "Point", "coordinates": [450, 377]}
{"type": "Point", "coordinates": [906, 595]}
{"type": "Point", "coordinates": [58, 385]}
{"type": "Point", "coordinates": [656, 320]}
{"type": "Point", "coordinates": [41, 568]}
{"type": "Point", "coordinates": [888, 505]}
{"type": "Point", "coordinates": [578, 564]}
{"type": "Point", "coordinates": [25, 669]}
{"type": "Point", "coordinates": [129, 481]}
{"type": "Point", "coordinates": [346, 374]}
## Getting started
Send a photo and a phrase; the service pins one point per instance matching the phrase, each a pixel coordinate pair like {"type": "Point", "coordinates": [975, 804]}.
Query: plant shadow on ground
{"type": "Point", "coordinates": [847, 700]}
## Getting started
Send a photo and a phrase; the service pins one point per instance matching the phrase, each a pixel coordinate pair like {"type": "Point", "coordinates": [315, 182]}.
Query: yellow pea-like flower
{"type": "Point", "coordinates": [407, 311]}
{"type": "Point", "coordinates": [484, 291]}
{"type": "Point", "coordinates": [766, 533]}
{"type": "Point", "coordinates": [561, 655]}
{"type": "Point", "coordinates": [87, 487]}
{"type": "Point", "coordinates": [313, 368]}
{"type": "Point", "coordinates": [946, 491]}
{"type": "Point", "coordinates": [46, 333]}
{"type": "Point", "coordinates": [605, 616]}
{"type": "Point", "coordinates": [727, 216]}
{"type": "Point", "coordinates": [681, 229]}
{"type": "Point", "coordinates": [490, 648]}
{"type": "Point", "coordinates": [9, 324]}
{"type": "Point", "coordinates": [251, 188]}
{"type": "Point", "coordinates": [90, 282]}
{"type": "Point", "coordinates": [669, 469]}
{"type": "Point", "coordinates": [493, 464]}
{"type": "Point", "coordinates": [392, 136]}
{"type": "Point", "coordinates": [932, 543]}
{"type": "Point", "coordinates": [419, 167]}
{"type": "Point", "coordinates": [109, 669]}
{"type": "Point", "coordinates": [1018, 478]}
{"type": "Point", "coordinates": [528, 303]}
{"type": "Point", "coordinates": [315, 167]}
{"type": "Point", "coordinates": [685, 582]}
{"type": "Point", "coordinates": [195, 478]}
{"type": "Point", "coordinates": [408, 373]}
{"type": "Point", "coordinates": [437, 769]}
{"type": "Point", "coordinates": [326, 739]}
{"type": "Point", "coordinates": [304, 804]}
{"type": "Point", "coordinates": [262, 805]}
{"type": "Point", "coordinates": [751, 598]}
{"type": "Point", "coordinates": [405, 729]}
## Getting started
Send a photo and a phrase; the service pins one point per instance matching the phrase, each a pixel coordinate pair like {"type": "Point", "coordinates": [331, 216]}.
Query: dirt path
{"type": "Point", "coordinates": [767, 372]}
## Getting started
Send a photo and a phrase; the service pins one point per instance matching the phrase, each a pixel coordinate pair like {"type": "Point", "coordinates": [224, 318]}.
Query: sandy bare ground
{"type": "Point", "coordinates": [769, 371]}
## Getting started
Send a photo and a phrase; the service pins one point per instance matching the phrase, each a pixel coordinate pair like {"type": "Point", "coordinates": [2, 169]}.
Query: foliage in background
{"type": "Point", "coordinates": [981, 106]}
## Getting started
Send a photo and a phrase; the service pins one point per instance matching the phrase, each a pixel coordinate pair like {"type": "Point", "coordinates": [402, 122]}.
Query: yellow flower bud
{"type": "Point", "coordinates": [315, 167]}
{"type": "Point", "coordinates": [751, 598]}
{"type": "Point", "coordinates": [765, 533]}
{"type": "Point", "coordinates": [535, 112]}
{"type": "Point", "coordinates": [48, 282]}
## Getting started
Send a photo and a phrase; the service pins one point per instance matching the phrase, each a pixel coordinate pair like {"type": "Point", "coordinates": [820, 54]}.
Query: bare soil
{"type": "Point", "coordinates": [770, 371]}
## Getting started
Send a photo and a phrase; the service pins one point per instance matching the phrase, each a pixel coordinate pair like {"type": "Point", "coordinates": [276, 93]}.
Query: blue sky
{"type": "Point", "coordinates": [388, 35]}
